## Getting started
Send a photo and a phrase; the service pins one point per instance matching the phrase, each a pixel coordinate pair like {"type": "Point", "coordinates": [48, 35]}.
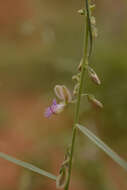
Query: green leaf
{"type": "Point", "coordinates": [103, 146]}
{"type": "Point", "coordinates": [27, 166]}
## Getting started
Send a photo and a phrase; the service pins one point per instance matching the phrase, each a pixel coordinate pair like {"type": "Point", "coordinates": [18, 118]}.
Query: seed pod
{"type": "Point", "coordinates": [61, 179]}
{"type": "Point", "coordinates": [93, 76]}
{"type": "Point", "coordinates": [94, 102]}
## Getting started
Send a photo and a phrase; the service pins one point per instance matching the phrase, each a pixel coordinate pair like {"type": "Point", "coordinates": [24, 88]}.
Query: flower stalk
{"type": "Point", "coordinates": [64, 95]}
{"type": "Point", "coordinates": [77, 107]}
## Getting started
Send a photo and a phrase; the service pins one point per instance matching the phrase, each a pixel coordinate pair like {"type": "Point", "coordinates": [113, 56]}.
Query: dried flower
{"type": "Point", "coordinates": [54, 108]}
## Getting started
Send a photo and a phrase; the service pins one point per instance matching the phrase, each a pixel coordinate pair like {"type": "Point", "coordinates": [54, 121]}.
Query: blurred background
{"type": "Point", "coordinates": [41, 46]}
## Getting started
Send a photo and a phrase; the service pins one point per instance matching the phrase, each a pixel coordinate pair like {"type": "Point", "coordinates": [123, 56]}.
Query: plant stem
{"type": "Point", "coordinates": [77, 108]}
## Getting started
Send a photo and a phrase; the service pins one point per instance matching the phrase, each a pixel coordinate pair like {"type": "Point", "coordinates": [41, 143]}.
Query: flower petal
{"type": "Point", "coordinates": [48, 112]}
{"type": "Point", "coordinates": [58, 92]}
{"type": "Point", "coordinates": [54, 102]}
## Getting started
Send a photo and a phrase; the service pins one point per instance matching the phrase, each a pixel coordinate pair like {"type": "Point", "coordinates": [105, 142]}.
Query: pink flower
{"type": "Point", "coordinates": [54, 108]}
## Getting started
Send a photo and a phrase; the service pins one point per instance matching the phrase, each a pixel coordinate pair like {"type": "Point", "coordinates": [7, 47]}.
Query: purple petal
{"type": "Point", "coordinates": [51, 110]}
{"type": "Point", "coordinates": [48, 112]}
{"type": "Point", "coordinates": [54, 102]}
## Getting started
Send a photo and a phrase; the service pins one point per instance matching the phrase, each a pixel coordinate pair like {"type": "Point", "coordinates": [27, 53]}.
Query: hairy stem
{"type": "Point", "coordinates": [77, 108]}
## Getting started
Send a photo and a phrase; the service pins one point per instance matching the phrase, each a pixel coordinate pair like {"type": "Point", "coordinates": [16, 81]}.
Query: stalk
{"type": "Point", "coordinates": [77, 107]}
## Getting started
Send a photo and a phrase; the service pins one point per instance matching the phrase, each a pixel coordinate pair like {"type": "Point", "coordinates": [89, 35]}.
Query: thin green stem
{"type": "Point", "coordinates": [77, 109]}
{"type": "Point", "coordinates": [88, 12]}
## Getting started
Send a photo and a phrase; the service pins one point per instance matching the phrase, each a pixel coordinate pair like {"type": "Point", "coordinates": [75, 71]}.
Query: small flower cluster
{"type": "Point", "coordinates": [92, 19]}
{"type": "Point", "coordinates": [94, 78]}
{"type": "Point", "coordinates": [91, 73]}
{"type": "Point", "coordinates": [62, 92]}
{"type": "Point", "coordinates": [64, 95]}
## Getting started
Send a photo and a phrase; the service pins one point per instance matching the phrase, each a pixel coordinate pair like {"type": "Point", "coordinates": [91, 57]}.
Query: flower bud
{"type": "Point", "coordinates": [92, 6]}
{"type": "Point", "coordinates": [93, 20]}
{"type": "Point", "coordinates": [94, 32]}
{"type": "Point", "coordinates": [76, 88]}
{"type": "Point", "coordinates": [93, 76]}
{"type": "Point", "coordinates": [81, 12]}
{"type": "Point", "coordinates": [76, 77]}
{"type": "Point", "coordinates": [94, 102]}
{"type": "Point", "coordinates": [61, 179]}
{"type": "Point", "coordinates": [80, 65]}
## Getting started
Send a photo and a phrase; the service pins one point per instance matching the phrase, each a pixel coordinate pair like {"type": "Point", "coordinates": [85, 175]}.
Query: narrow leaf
{"type": "Point", "coordinates": [27, 166]}
{"type": "Point", "coordinates": [103, 146]}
